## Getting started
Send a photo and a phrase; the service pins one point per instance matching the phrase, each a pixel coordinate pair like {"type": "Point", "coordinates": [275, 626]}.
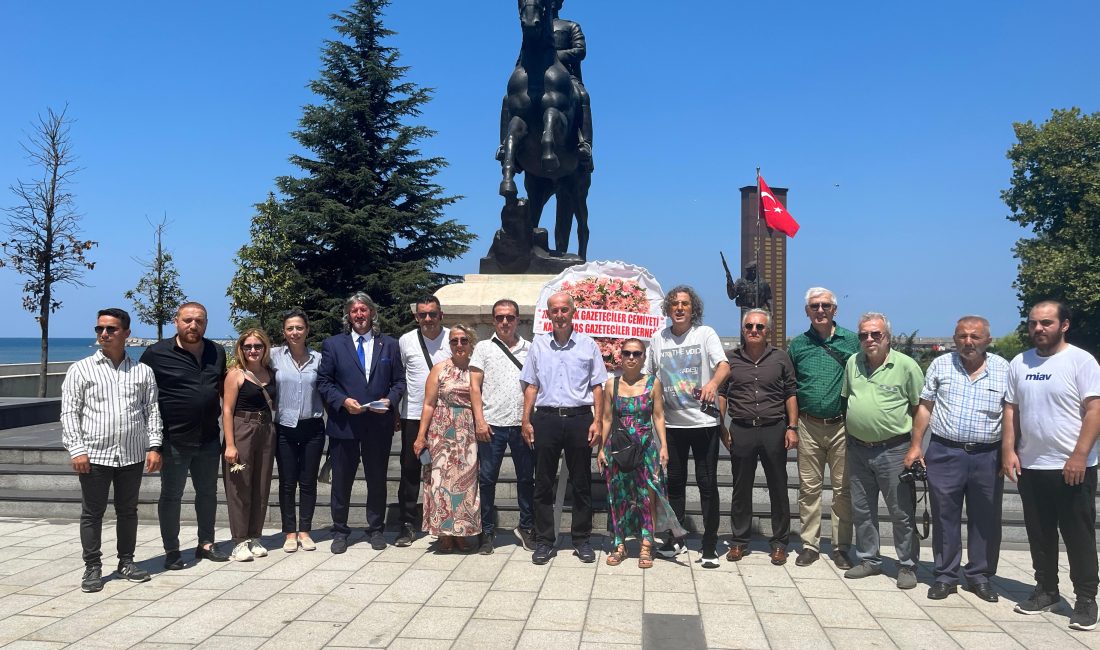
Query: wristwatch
{"type": "Point", "coordinates": [156, 448]}
{"type": "Point", "coordinates": [792, 427]}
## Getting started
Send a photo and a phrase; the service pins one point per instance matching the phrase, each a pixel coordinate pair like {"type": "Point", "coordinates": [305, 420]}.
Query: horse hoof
{"type": "Point", "coordinates": [508, 189]}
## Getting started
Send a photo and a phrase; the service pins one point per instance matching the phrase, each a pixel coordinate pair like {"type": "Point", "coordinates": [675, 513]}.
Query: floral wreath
{"type": "Point", "coordinates": [612, 294]}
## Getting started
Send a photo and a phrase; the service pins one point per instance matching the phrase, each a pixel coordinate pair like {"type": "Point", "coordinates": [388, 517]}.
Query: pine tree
{"type": "Point", "coordinates": [265, 283]}
{"type": "Point", "coordinates": [366, 215]}
{"type": "Point", "coordinates": [157, 294]}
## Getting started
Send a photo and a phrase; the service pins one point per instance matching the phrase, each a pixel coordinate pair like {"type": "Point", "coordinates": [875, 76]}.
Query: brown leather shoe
{"type": "Point", "coordinates": [736, 553]}
{"type": "Point", "coordinates": [779, 556]}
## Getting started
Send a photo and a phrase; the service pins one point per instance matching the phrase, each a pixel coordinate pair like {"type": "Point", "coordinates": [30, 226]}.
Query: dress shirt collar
{"type": "Point", "coordinates": [768, 349]}
{"type": "Point", "coordinates": [101, 358]}
{"type": "Point", "coordinates": [568, 344]}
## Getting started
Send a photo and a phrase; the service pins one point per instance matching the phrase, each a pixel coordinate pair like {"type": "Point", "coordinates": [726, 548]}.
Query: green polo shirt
{"type": "Point", "coordinates": [879, 403]}
{"type": "Point", "coordinates": [820, 375]}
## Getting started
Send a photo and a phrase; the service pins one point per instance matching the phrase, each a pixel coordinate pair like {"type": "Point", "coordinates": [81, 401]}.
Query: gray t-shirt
{"type": "Point", "coordinates": [685, 363]}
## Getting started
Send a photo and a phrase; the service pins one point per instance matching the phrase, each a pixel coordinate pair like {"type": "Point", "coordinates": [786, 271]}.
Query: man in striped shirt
{"type": "Point", "coordinates": [111, 427]}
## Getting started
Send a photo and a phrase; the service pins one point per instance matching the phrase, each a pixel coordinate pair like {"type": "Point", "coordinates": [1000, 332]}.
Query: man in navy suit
{"type": "Point", "coordinates": [361, 380]}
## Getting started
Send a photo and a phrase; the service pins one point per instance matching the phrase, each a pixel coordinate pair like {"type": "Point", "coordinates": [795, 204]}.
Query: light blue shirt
{"type": "Point", "coordinates": [564, 374]}
{"type": "Point", "coordinates": [966, 410]}
{"type": "Point", "coordinates": [298, 396]}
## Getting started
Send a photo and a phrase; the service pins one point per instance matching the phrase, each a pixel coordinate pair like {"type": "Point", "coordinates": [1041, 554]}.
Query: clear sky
{"type": "Point", "coordinates": [889, 122]}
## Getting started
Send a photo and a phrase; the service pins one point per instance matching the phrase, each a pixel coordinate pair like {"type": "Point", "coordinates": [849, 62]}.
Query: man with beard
{"type": "Point", "coordinates": [1051, 422]}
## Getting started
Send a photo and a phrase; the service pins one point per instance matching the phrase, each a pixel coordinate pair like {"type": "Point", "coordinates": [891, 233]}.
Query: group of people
{"type": "Point", "coordinates": [843, 399]}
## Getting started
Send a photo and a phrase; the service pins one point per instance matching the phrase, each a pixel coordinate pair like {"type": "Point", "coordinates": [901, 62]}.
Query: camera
{"type": "Point", "coordinates": [706, 407]}
{"type": "Point", "coordinates": [916, 472]}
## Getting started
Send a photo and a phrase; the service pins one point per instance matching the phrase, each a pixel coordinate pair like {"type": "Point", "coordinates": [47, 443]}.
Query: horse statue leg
{"type": "Point", "coordinates": [517, 129]}
{"type": "Point", "coordinates": [553, 135]}
{"type": "Point", "coordinates": [566, 199]}
{"type": "Point", "coordinates": [583, 182]}
{"type": "Point", "coordinates": [539, 190]}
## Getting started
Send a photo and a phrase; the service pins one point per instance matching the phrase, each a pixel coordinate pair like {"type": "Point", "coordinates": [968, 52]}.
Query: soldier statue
{"type": "Point", "coordinates": [748, 292]}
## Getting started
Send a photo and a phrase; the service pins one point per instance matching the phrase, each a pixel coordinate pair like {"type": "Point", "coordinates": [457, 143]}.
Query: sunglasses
{"type": "Point", "coordinates": [460, 340]}
{"type": "Point", "coordinates": [253, 347]}
{"type": "Point", "coordinates": [421, 315]}
{"type": "Point", "coordinates": [820, 306]}
{"type": "Point", "coordinates": [759, 327]}
{"type": "Point", "coordinates": [874, 336]}
{"type": "Point", "coordinates": [110, 329]}
{"type": "Point", "coordinates": [633, 354]}
{"type": "Point", "coordinates": [500, 318]}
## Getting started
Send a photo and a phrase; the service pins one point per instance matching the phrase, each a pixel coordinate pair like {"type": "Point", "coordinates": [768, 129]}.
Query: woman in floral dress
{"type": "Point", "coordinates": [638, 499]}
{"type": "Point", "coordinates": [452, 506]}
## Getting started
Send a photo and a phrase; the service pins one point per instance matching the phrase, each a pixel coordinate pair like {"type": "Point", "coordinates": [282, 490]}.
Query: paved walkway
{"type": "Point", "coordinates": [412, 598]}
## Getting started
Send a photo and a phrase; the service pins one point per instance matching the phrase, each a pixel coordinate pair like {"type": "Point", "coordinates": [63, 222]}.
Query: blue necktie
{"type": "Point", "coordinates": [362, 355]}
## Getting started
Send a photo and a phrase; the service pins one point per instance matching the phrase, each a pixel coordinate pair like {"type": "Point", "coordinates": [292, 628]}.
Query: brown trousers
{"type": "Point", "coordinates": [247, 491]}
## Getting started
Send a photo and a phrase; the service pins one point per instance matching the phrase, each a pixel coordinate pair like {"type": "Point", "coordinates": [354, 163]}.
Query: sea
{"type": "Point", "coordinates": [29, 350]}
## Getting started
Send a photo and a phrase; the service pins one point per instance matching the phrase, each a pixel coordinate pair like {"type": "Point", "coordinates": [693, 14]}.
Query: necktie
{"type": "Point", "coordinates": [362, 355]}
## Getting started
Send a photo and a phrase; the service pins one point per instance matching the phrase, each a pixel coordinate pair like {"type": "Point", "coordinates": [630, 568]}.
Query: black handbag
{"type": "Point", "coordinates": [628, 454]}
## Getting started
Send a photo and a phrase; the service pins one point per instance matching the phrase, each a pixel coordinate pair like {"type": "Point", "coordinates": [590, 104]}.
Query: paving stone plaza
{"type": "Point", "coordinates": [414, 598]}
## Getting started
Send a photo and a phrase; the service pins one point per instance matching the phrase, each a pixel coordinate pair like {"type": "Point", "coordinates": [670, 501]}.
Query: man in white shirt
{"type": "Point", "coordinates": [421, 349]}
{"type": "Point", "coordinates": [111, 427]}
{"type": "Point", "coordinates": [1051, 423]}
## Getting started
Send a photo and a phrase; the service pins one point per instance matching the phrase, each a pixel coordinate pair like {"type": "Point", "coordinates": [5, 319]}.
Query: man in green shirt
{"type": "Point", "coordinates": [883, 388]}
{"type": "Point", "coordinates": [819, 355]}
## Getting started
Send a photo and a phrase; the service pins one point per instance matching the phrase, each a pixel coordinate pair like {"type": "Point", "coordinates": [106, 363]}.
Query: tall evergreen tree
{"type": "Point", "coordinates": [366, 214]}
{"type": "Point", "coordinates": [266, 283]}
{"type": "Point", "coordinates": [157, 294]}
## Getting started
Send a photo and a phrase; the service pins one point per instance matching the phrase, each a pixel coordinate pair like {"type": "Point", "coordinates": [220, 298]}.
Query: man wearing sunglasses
{"type": "Point", "coordinates": [819, 355]}
{"type": "Point", "coordinates": [497, 398]}
{"type": "Point", "coordinates": [883, 389]}
{"type": "Point", "coordinates": [110, 425]}
{"type": "Point", "coordinates": [421, 349]}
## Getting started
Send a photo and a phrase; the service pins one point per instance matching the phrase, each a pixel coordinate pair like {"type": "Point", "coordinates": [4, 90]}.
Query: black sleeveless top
{"type": "Point", "coordinates": [251, 398]}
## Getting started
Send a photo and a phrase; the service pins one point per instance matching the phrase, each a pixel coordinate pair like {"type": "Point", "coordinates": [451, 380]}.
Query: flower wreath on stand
{"type": "Point", "coordinates": [615, 294]}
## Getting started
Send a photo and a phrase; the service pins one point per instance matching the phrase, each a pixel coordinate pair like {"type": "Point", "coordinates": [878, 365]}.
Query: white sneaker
{"type": "Point", "coordinates": [241, 553]}
{"type": "Point", "coordinates": [258, 549]}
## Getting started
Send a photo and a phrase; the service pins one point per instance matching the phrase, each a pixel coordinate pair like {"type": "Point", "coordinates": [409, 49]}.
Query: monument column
{"type": "Point", "coordinates": [769, 250]}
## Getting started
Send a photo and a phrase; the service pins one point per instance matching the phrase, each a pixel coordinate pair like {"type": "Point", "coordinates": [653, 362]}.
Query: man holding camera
{"type": "Point", "coordinates": [961, 407]}
{"type": "Point", "coordinates": [882, 387]}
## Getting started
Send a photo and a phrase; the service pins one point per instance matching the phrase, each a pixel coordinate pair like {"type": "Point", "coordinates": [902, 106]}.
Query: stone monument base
{"type": "Point", "coordinates": [519, 255]}
{"type": "Point", "coordinates": [471, 301]}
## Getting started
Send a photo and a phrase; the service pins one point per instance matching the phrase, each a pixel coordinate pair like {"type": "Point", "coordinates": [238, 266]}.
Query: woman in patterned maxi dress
{"type": "Point", "coordinates": [638, 499]}
{"type": "Point", "coordinates": [452, 506]}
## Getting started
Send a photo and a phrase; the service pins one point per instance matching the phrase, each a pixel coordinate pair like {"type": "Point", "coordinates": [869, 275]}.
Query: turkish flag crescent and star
{"type": "Point", "coordinates": [775, 215]}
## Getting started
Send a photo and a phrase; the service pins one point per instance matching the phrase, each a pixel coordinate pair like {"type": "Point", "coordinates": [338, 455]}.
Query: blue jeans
{"type": "Point", "coordinates": [203, 462]}
{"type": "Point", "coordinates": [490, 458]}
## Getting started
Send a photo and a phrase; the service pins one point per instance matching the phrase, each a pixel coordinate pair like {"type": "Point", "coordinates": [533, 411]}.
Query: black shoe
{"type": "Point", "coordinates": [485, 544]}
{"type": "Point", "coordinates": [1084, 614]}
{"type": "Point", "coordinates": [983, 590]}
{"type": "Point", "coordinates": [585, 552]}
{"type": "Point", "coordinates": [377, 541]}
{"type": "Point", "coordinates": [211, 554]}
{"type": "Point", "coordinates": [543, 553]}
{"type": "Point", "coordinates": [806, 557]}
{"type": "Point", "coordinates": [339, 544]}
{"type": "Point", "coordinates": [132, 572]}
{"type": "Point", "coordinates": [173, 561]}
{"type": "Point", "coordinates": [840, 559]}
{"type": "Point", "coordinates": [526, 538]}
{"type": "Point", "coordinates": [672, 547]}
{"type": "Point", "coordinates": [1039, 602]}
{"type": "Point", "coordinates": [941, 590]}
{"type": "Point", "coordinates": [92, 580]}
{"type": "Point", "coordinates": [406, 538]}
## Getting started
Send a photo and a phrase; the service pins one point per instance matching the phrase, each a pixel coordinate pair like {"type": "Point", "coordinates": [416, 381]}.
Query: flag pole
{"type": "Point", "coordinates": [759, 238]}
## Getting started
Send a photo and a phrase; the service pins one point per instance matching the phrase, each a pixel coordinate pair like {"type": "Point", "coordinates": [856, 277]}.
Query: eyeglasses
{"type": "Point", "coordinates": [633, 354]}
{"type": "Point", "coordinates": [253, 347]}
{"type": "Point", "coordinates": [874, 336]}
{"type": "Point", "coordinates": [759, 327]}
{"type": "Point", "coordinates": [421, 315]}
{"type": "Point", "coordinates": [820, 306]}
{"type": "Point", "coordinates": [110, 329]}
{"type": "Point", "coordinates": [680, 303]}
{"type": "Point", "coordinates": [460, 340]}
{"type": "Point", "coordinates": [500, 318]}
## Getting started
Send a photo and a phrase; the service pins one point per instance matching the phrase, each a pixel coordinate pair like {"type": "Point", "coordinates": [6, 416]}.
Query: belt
{"type": "Point", "coordinates": [564, 411]}
{"type": "Point", "coordinates": [755, 422]}
{"type": "Point", "coordinates": [839, 418]}
{"type": "Point", "coordinates": [968, 447]}
{"type": "Point", "coordinates": [253, 416]}
{"type": "Point", "coordinates": [882, 444]}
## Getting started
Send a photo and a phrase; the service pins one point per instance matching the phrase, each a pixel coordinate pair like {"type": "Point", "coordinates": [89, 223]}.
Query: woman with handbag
{"type": "Point", "coordinates": [247, 405]}
{"type": "Point", "coordinates": [633, 456]}
{"type": "Point", "coordinates": [299, 430]}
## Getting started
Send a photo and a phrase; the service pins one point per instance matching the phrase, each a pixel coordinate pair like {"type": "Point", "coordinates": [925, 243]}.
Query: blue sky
{"type": "Point", "coordinates": [889, 123]}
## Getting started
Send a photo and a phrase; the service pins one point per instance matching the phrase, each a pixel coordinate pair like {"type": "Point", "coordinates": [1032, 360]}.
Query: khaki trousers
{"type": "Point", "coordinates": [820, 444]}
{"type": "Point", "coordinates": [247, 491]}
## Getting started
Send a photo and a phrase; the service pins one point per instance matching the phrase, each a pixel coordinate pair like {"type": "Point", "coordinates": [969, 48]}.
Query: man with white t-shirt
{"type": "Point", "coordinates": [1051, 423]}
{"type": "Point", "coordinates": [692, 365]}
{"type": "Point", "coordinates": [421, 349]}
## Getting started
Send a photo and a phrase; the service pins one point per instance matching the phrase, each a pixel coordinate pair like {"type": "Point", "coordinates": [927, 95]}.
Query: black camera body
{"type": "Point", "coordinates": [916, 472]}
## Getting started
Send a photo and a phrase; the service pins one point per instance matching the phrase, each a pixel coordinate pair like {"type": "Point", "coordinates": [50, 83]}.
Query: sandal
{"type": "Point", "coordinates": [616, 557]}
{"type": "Point", "coordinates": [645, 556]}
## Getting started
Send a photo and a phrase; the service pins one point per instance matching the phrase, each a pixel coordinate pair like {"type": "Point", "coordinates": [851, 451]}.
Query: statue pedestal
{"type": "Point", "coordinates": [471, 301]}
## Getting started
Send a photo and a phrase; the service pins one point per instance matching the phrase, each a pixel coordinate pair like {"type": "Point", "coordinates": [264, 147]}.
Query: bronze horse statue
{"type": "Point", "coordinates": [543, 112]}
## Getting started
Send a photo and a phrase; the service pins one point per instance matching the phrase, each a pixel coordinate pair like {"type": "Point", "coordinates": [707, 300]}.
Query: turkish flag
{"type": "Point", "coordinates": [775, 215]}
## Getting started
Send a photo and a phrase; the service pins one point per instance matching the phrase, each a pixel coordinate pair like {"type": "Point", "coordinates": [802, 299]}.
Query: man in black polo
{"type": "Point", "coordinates": [761, 398]}
{"type": "Point", "coordinates": [189, 370]}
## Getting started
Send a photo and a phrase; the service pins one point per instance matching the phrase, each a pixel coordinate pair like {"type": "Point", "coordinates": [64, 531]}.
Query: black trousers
{"type": "Point", "coordinates": [1051, 506]}
{"type": "Point", "coordinates": [703, 443]}
{"type": "Point", "coordinates": [763, 444]}
{"type": "Point", "coordinates": [408, 489]}
{"type": "Point", "coordinates": [94, 489]}
{"type": "Point", "coordinates": [298, 453]}
{"type": "Point", "coordinates": [554, 435]}
{"type": "Point", "coordinates": [374, 450]}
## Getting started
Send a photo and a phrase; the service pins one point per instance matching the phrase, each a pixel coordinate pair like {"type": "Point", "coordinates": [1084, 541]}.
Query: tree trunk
{"type": "Point", "coordinates": [44, 325]}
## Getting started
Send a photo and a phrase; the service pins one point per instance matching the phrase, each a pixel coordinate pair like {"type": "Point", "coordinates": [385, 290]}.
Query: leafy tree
{"type": "Point", "coordinates": [1055, 192]}
{"type": "Point", "coordinates": [266, 281]}
{"type": "Point", "coordinates": [366, 214]}
{"type": "Point", "coordinates": [1010, 345]}
{"type": "Point", "coordinates": [43, 236]}
{"type": "Point", "coordinates": [157, 294]}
